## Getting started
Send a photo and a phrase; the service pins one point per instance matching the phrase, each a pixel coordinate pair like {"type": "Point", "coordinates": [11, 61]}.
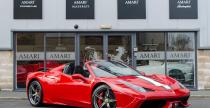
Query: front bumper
{"type": "Point", "coordinates": [162, 99]}
{"type": "Point", "coordinates": [166, 103]}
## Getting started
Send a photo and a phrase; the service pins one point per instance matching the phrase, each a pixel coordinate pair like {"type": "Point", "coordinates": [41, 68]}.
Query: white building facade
{"type": "Point", "coordinates": [168, 37]}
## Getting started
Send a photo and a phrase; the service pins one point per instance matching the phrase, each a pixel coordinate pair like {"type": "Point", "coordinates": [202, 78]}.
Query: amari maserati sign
{"type": "Point", "coordinates": [80, 9]}
{"type": "Point", "coordinates": [183, 9]}
{"type": "Point", "coordinates": [131, 9]}
{"type": "Point", "coordinates": [27, 9]}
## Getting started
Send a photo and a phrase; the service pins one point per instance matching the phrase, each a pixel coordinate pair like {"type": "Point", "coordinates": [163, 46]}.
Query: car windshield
{"type": "Point", "coordinates": [112, 68]}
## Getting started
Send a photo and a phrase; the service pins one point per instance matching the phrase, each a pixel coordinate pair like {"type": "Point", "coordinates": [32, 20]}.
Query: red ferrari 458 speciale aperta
{"type": "Point", "coordinates": [104, 84]}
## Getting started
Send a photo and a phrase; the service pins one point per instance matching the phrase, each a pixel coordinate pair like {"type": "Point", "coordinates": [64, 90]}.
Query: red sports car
{"type": "Point", "coordinates": [104, 84]}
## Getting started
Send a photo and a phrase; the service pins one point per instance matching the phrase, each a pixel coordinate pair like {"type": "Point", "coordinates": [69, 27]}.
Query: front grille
{"type": "Point", "coordinates": [161, 103]}
{"type": "Point", "coordinates": [153, 104]}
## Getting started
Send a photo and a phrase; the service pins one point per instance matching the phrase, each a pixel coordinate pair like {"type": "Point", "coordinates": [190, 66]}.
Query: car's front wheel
{"type": "Point", "coordinates": [35, 93]}
{"type": "Point", "coordinates": [103, 97]}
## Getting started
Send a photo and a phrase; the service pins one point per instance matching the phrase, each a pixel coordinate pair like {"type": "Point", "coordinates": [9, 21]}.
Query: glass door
{"type": "Point", "coordinates": [91, 47]}
{"type": "Point", "coordinates": [60, 49]}
{"type": "Point", "coordinates": [120, 48]}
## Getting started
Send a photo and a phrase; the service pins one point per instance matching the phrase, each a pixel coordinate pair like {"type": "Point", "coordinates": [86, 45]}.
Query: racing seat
{"type": "Point", "coordinates": [69, 69]}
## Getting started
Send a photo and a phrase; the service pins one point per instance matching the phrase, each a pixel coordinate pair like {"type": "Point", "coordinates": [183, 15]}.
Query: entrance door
{"type": "Point", "coordinates": [120, 48]}
{"type": "Point", "coordinates": [91, 47]}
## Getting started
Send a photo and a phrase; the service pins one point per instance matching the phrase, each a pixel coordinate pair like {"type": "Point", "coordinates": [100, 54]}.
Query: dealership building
{"type": "Point", "coordinates": [169, 37]}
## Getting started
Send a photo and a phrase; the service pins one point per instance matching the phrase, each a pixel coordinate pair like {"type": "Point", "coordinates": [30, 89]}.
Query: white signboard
{"type": "Point", "coordinates": [37, 56]}
{"type": "Point", "coordinates": [172, 55]}
{"type": "Point", "coordinates": [60, 55]}
{"type": "Point", "coordinates": [150, 55]}
{"type": "Point", "coordinates": [29, 56]}
{"type": "Point", "coordinates": [181, 55]}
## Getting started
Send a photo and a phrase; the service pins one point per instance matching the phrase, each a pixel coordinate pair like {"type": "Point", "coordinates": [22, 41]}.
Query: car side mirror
{"type": "Point", "coordinates": [79, 76]}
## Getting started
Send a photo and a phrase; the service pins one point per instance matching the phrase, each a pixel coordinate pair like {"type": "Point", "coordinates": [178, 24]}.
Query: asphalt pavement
{"type": "Point", "coordinates": [10, 99]}
{"type": "Point", "coordinates": [13, 103]}
{"type": "Point", "coordinates": [24, 104]}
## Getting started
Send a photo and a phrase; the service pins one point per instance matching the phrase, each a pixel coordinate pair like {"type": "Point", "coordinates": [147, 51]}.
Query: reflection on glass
{"type": "Point", "coordinates": [151, 53]}
{"type": "Point", "coordinates": [30, 42]}
{"type": "Point", "coordinates": [91, 48]}
{"type": "Point", "coordinates": [60, 49]}
{"type": "Point", "coordinates": [120, 48]}
{"type": "Point", "coordinates": [180, 57]}
{"type": "Point", "coordinates": [29, 55]}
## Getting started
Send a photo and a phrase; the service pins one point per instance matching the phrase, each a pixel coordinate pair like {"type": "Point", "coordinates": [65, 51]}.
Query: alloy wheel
{"type": "Point", "coordinates": [103, 97]}
{"type": "Point", "coordinates": [35, 93]}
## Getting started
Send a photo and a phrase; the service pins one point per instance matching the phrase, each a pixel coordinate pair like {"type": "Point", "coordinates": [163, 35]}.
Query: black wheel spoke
{"type": "Point", "coordinates": [32, 88]}
{"type": "Point", "coordinates": [98, 96]}
{"type": "Point", "coordinates": [107, 92]}
{"type": "Point", "coordinates": [102, 105]}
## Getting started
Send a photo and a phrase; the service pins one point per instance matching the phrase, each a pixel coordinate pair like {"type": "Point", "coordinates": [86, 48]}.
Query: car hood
{"type": "Point", "coordinates": [152, 82]}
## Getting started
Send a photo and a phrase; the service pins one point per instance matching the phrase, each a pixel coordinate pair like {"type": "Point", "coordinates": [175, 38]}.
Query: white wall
{"type": "Point", "coordinates": [54, 18]}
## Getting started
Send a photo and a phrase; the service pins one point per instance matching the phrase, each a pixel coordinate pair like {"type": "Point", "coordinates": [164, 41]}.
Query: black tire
{"type": "Point", "coordinates": [35, 94]}
{"type": "Point", "coordinates": [104, 94]}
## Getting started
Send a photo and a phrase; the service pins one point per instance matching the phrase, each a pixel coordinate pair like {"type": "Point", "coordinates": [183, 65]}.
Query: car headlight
{"type": "Point", "coordinates": [137, 88]}
{"type": "Point", "coordinates": [181, 85]}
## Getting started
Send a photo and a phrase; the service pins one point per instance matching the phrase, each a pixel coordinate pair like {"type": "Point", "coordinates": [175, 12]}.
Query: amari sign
{"type": "Point", "coordinates": [27, 9]}
{"type": "Point", "coordinates": [131, 9]}
{"type": "Point", "coordinates": [37, 56]}
{"type": "Point", "coordinates": [171, 55]}
{"type": "Point", "coordinates": [183, 9]}
{"type": "Point", "coordinates": [80, 9]}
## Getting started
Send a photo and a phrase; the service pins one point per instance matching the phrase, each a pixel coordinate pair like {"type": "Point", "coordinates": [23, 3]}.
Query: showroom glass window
{"type": "Point", "coordinates": [169, 53]}
{"type": "Point", "coordinates": [60, 49]}
{"type": "Point", "coordinates": [151, 52]}
{"type": "Point", "coordinates": [29, 55]}
{"type": "Point", "coordinates": [119, 48]}
{"type": "Point", "coordinates": [181, 57]}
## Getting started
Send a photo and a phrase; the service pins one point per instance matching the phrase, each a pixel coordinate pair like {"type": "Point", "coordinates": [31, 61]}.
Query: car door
{"type": "Point", "coordinates": [51, 80]}
{"type": "Point", "coordinates": [75, 89]}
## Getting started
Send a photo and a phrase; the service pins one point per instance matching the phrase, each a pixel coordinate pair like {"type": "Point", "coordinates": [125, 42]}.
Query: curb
{"type": "Point", "coordinates": [13, 98]}
{"type": "Point", "coordinates": [199, 96]}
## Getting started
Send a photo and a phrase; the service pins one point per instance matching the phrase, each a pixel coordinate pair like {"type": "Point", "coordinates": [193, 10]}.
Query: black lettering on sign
{"type": "Point", "coordinates": [60, 56]}
{"type": "Point", "coordinates": [28, 57]}
{"type": "Point", "coordinates": [150, 55]}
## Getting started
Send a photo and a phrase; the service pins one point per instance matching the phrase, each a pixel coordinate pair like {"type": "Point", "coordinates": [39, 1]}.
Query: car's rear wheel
{"type": "Point", "coordinates": [35, 93]}
{"type": "Point", "coordinates": [103, 97]}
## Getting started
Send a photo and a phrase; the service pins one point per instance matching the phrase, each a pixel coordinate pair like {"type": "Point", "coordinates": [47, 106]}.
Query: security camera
{"type": "Point", "coordinates": [76, 26]}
